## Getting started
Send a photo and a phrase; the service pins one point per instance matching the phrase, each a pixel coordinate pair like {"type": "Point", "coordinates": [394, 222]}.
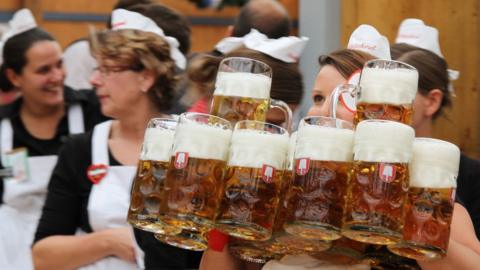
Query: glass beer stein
{"type": "Point", "coordinates": [252, 185]}
{"type": "Point", "coordinates": [316, 197]}
{"type": "Point", "coordinates": [378, 189]}
{"type": "Point", "coordinates": [429, 208]}
{"type": "Point", "coordinates": [147, 191]}
{"type": "Point", "coordinates": [196, 171]}
{"type": "Point", "coordinates": [387, 91]}
{"type": "Point", "coordinates": [242, 91]}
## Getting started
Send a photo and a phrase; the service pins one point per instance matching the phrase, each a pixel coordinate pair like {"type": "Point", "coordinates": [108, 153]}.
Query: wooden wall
{"type": "Point", "coordinates": [208, 25]}
{"type": "Point", "coordinates": [458, 24]}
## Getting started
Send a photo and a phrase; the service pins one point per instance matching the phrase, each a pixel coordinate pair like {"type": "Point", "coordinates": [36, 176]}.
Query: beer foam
{"type": "Point", "coordinates": [202, 140]}
{"type": "Point", "coordinates": [434, 164]}
{"type": "Point", "coordinates": [324, 143]}
{"type": "Point", "coordinates": [255, 148]}
{"type": "Point", "coordinates": [383, 141]}
{"type": "Point", "coordinates": [157, 144]}
{"type": "Point", "coordinates": [291, 150]}
{"type": "Point", "coordinates": [389, 86]}
{"type": "Point", "coordinates": [243, 84]}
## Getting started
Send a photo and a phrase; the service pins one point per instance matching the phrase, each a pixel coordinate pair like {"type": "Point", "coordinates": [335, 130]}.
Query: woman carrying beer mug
{"type": "Point", "coordinates": [336, 68]}
{"type": "Point", "coordinates": [83, 223]}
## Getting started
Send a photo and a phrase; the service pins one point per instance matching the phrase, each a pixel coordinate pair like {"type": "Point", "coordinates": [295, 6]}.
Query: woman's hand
{"type": "Point", "coordinates": [120, 243]}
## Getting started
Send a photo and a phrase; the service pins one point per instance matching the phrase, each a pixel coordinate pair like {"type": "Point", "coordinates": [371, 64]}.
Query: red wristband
{"type": "Point", "coordinates": [217, 240]}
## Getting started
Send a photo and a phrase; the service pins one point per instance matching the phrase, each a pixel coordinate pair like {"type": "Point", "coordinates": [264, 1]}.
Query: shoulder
{"type": "Point", "coordinates": [468, 164]}
{"type": "Point", "coordinates": [10, 109]}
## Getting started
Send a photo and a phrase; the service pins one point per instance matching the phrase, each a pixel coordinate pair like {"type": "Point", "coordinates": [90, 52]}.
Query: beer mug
{"type": "Point", "coordinates": [281, 242]}
{"type": "Point", "coordinates": [242, 91]}
{"type": "Point", "coordinates": [379, 185]}
{"type": "Point", "coordinates": [387, 91]}
{"type": "Point", "coordinates": [429, 207]}
{"type": "Point", "coordinates": [196, 171]}
{"type": "Point", "coordinates": [252, 185]}
{"type": "Point", "coordinates": [147, 190]}
{"type": "Point", "coordinates": [323, 155]}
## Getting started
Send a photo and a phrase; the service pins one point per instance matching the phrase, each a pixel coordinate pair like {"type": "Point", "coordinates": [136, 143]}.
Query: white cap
{"type": "Point", "coordinates": [415, 32]}
{"type": "Point", "coordinates": [124, 19]}
{"type": "Point", "coordinates": [286, 49]}
{"type": "Point", "coordinates": [367, 39]}
{"type": "Point", "coordinates": [21, 21]}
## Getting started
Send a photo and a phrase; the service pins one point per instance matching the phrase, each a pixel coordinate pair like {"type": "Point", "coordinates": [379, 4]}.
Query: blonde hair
{"type": "Point", "coordinates": [139, 50]}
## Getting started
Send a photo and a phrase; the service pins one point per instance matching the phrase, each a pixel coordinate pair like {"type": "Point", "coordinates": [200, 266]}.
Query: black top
{"type": "Point", "coordinates": [468, 188]}
{"type": "Point", "coordinates": [65, 209]}
{"type": "Point", "coordinates": [40, 147]}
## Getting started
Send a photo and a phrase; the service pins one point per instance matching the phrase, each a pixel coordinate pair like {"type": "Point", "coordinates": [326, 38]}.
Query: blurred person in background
{"type": "Point", "coordinates": [33, 129]}
{"type": "Point", "coordinates": [83, 223]}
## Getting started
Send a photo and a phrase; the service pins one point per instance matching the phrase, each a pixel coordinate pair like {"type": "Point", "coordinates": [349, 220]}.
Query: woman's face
{"type": "Point", "coordinates": [41, 79]}
{"type": "Point", "coordinates": [118, 88]}
{"type": "Point", "coordinates": [327, 79]}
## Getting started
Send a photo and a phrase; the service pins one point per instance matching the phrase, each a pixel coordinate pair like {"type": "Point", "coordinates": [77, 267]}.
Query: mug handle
{"type": "Point", "coordinates": [344, 91]}
{"type": "Point", "coordinates": [275, 103]}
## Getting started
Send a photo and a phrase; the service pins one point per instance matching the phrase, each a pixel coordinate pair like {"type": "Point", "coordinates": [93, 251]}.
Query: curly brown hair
{"type": "Point", "coordinates": [140, 50]}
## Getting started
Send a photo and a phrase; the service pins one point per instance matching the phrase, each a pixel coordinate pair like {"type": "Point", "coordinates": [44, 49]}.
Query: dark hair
{"type": "Point", "coordinates": [268, 17]}
{"type": "Point", "coordinates": [287, 81]}
{"type": "Point", "coordinates": [398, 49]}
{"type": "Point", "coordinates": [170, 21]}
{"type": "Point", "coordinates": [140, 50]}
{"type": "Point", "coordinates": [346, 61]}
{"type": "Point", "coordinates": [14, 53]}
{"type": "Point", "coordinates": [432, 73]}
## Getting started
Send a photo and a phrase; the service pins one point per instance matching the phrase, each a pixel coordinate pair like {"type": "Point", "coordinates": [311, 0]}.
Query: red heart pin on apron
{"type": "Point", "coordinates": [96, 172]}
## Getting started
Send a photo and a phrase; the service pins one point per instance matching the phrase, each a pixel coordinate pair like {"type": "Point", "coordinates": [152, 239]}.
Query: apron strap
{"type": "Point", "coordinates": [100, 136]}
{"type": "Point", "coordinates": [6, 137]}
{"type": "Point", "coordinates": [75, 119]}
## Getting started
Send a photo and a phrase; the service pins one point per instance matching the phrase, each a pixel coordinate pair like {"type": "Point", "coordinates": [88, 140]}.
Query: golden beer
{"type": "Point", "coordinates": [399, 113]}
{"type": "Point", "coordinates": [186, 239]}
{"type": "Point", "coordinates": [196, 171]}
{"type": "Point", "coordinates": [147, 190]}
{"type": "Point", "coordinates": [431, 197]}
{"type": "Point", "coordinates": [374, 213]}
{"type": "Point", "coordinates": [251, 250]}
{"type": "Point", "coordinates": [242, 91]}
{"type": "Point", "coordinates": [388, 89]}
{"type": "Point", "coordinates": [379, 185]}
{"type": "Point", "coordinates": [317, 200]}
{"type": "Point", "coordinates": [252, 185]}
{"type": "Point", "coordinates": [427, 224]}
{"type": "Point", "coordinates": [234, 108]}
{"type": "Point", "coordinates": [316, 197]}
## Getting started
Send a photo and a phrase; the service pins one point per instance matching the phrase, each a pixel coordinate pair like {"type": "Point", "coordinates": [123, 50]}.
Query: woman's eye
{"type": "Point", "coordinates": [318, 98]}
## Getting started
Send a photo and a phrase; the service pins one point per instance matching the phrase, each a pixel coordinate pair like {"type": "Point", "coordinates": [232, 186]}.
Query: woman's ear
{"type": "Point", "coordinates": [13, 77]}
{"type": "Point", "coordinates": [147, 79]}
{"type": "Point", "coordinates": [433, 102]}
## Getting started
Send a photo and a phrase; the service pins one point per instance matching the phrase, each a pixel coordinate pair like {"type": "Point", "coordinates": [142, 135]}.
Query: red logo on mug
{"type": "Point", "coordinates": [181, 160]}
{"type": "Point", "coordinates": [303, 165]}
{"type": "Point", "coordinates": [387, 172]}
{"type": "Point", "coordinates": [268, 172]}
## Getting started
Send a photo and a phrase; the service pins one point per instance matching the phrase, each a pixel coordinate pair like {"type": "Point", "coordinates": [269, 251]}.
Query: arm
{"type": "Point", "coordinates": [56, 245]}
{"type": "Point", "coordinates": [463, 248]}
{"type": "Point", "coordinates": [212, 260]}
{"type": "Point", "coordinates": [71, 252]}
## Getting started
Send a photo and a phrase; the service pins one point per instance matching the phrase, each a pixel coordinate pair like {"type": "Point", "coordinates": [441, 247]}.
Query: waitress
{"type": "Point", "coordinates": [83, 224]}
{"type": "Point", "coordinates": [32, 130]}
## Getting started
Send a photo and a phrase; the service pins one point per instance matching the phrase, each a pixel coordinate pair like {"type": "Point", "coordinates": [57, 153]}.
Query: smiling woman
{"type": "Point", "coordinates": [33, 130]}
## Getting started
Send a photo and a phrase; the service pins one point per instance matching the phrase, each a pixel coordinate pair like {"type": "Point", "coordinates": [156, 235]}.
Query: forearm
{"type": "Point", "coordinates": [458, 256]}
{"type": "Point", "coordinates": [70, 252]}
{"type": "Point", "coordinates": [213, 260]}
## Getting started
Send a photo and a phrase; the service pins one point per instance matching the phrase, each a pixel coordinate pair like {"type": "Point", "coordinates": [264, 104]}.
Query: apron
{"type": "Point", "coordinates": [23, 201]}
{"type": "Point", "coordinates": [109, 199]}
